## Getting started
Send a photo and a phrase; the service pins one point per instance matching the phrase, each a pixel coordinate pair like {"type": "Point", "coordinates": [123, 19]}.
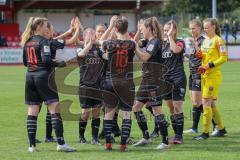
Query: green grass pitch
{"type": "Point", "coordinates": [14, 143]}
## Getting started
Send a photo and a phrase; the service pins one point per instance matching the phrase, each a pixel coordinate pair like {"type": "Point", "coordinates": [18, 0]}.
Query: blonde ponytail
{"type": "Point", "coordinates": [31, 27]}
{"type": "Point", "coordinates": [27, 32]}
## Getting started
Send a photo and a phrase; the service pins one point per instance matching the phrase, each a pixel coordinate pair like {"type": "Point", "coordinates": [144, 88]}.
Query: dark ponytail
{"type": "Point", "coordinates": [155, 27]}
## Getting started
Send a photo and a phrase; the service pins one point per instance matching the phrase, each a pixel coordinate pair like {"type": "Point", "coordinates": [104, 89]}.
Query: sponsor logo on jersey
{"type": "Point", "coordinates": [60, 40]}
{"type": "Point", "coordinates": [167, 54]}
{"type": "Point", "coordinates": [93, 61]}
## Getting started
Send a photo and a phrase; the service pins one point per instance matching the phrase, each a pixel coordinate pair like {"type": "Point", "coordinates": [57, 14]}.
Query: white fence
{"type": "Point", "coordinates": [14, 55]}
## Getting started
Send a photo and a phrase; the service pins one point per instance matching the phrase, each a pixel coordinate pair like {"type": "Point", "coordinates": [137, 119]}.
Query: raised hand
{"type": "Point", "coordinates": [140, 23]}
{"type": "Point", "coordinates": [77, 23]}
{"type": "Point", "coordinates": [112, 35]}
{"type": "Point", "coordinates": [171, 31]}
{"type": "Point", "coordinates": [123, 17]}
{"type": "Point", "coordinates": [89, 43]}
{"type": "Point", "coordinates": [80, 24]}
{"type": "Point", "coordinates": [72, 27]}
{"type": "Point", "coordinates": [113, 20]}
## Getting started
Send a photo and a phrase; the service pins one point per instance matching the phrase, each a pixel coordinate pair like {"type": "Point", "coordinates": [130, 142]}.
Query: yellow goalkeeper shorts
{"type": "Point", "coordinates": [210, 87]}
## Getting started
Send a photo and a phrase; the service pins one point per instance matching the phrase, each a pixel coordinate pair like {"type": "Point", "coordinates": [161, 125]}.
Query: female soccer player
{"type": "Point", "coordinates": [58, 43]}
{"type": "Point", "coordinates": [100, 29]}
{"type": "Point", "coordinates": [172, 58]}
{"type": "Point", "coordinates": [213, 53]}
{"type": "Point", "coordinates": [148, 91]}
{"type": "Point", "coordinates": [195, 28]}
{"type": "Point", "coordinates": [137, 37]}
{"type": "Point", "coordinates": [37, 58]}
{"type": "Point", "coordinates": [119, 80]}
{"type": "Point", "coordinates": [91, 71]}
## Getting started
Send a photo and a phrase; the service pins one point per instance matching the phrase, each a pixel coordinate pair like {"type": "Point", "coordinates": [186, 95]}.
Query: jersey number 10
{"type": "Point", "coordinates": [31, 55]}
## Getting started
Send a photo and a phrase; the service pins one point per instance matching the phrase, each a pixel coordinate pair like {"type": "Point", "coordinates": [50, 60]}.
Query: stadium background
{"type": "Point", "coordinates": [14, 15]}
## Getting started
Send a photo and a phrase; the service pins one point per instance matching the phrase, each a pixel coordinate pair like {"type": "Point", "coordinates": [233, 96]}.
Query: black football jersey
{"type": "Point", "coordinates": [172, 61]}
{"type": "Point", "coordinates": [120, 58]}
{"type": "Point", "coordinates": [195, 62]}
{"type": "Point", "coordinates": [91, 67]}
{"type": "Point", "coordinates": [33, 52]}
{"type": "Point", "coordinates": [154, 48]}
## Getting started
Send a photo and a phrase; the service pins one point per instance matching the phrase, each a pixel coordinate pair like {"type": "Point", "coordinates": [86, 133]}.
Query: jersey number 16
{"type": "Point", "coordinates": [121, 59]}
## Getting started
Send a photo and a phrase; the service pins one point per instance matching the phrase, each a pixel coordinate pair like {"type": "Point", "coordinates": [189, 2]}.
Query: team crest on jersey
{"type": "Point", "coordinates": [210, 44]}
{"type": "Point", "coordinates": [95, 53]}
{"type": "Point", "coordinates": [46, 49]}
{"type": "Point", "coordinates": [150, 47]}
{"type": "Point", "coordinates": [60, 40]}
{"type": "Point", "coordinates": [198, 81]}
{"type": "Point", "coordinates": [210, 88]}
{"type": "Point", "coordinates": [182, 90]}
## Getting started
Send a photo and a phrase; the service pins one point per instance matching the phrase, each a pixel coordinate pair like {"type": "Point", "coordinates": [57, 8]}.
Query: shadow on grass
{"type": "Point", "coordinates": [228, 144]}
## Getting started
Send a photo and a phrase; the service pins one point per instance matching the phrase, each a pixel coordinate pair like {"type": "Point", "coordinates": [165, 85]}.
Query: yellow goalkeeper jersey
{"type": "Point", "coordinates": [214, 50]}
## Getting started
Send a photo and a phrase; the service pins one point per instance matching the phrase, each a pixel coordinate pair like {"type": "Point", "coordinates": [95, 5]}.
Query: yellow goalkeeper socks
{"type": "Point", "coordinates": [207, 118]}
{"type": "Point", "coordinates": [217, 118]}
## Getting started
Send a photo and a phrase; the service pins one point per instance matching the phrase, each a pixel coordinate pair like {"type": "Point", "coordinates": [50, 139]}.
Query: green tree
{"type": "Point", "coordinates": [198, 6]}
